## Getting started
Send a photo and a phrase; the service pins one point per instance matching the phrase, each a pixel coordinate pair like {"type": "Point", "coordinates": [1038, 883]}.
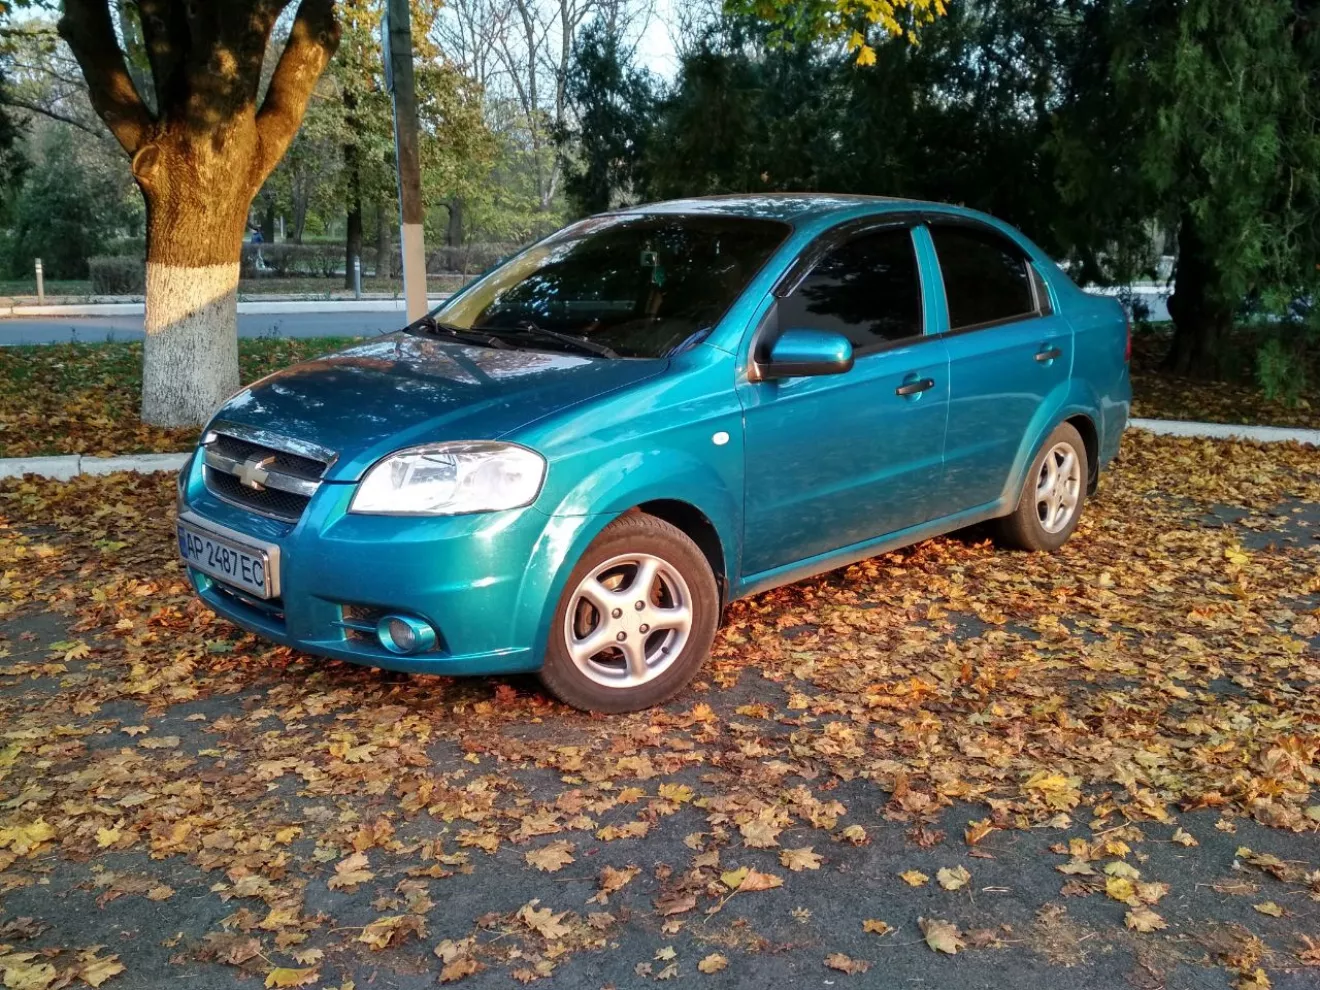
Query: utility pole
{"type": "Point", "coordinates": [396, 28]}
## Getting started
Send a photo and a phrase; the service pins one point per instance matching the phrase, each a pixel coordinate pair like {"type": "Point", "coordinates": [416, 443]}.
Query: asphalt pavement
{"type": "Point", "coordinates": [98, 329]}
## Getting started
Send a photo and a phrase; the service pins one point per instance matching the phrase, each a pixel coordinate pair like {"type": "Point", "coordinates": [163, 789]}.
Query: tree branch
{"type": "Point", "coordinates": [165, 37]}
{"type": "Point", "coordinates": [19, 103]}
{"type": "Point", "coordinates": [312, 42]}
{"type": "Point", "coordinates": [87, 29]}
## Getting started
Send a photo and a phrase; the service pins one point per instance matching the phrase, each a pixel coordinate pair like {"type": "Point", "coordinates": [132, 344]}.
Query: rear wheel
{"type": "Point", "coordinates": [636, 620]}
{"type": "Point", "coordinates": [1050, 505]}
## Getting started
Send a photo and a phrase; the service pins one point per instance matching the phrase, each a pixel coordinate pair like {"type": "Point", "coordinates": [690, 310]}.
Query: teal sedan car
{"type": "Point", "coordinates": [573, 464]}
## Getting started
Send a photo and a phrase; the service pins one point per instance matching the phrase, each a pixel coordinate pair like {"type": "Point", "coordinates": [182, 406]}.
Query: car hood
{"type": "Point", "coordinates": [400, 390]}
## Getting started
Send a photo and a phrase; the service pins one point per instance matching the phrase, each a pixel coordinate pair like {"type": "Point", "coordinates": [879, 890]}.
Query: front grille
{"type": "Point", "coordinates": [240, 450]}
{"type": "Point", "coordinates": [268, 501]}
{"type": "Point", "coordinates": [281, 473]}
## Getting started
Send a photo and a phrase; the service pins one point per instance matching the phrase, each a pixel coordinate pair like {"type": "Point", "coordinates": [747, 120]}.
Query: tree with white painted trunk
{"type": "Point", "coordinates": [201, 140]}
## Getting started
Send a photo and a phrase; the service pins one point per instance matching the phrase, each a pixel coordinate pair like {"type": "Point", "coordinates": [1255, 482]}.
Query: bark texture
{"type": "Point", "coordinates": [201, 147]}
{"type": "Point", "coordinates": [190, 361]}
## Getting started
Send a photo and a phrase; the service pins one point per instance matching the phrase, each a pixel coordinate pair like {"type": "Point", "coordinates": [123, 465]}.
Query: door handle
{"type": "Point", "coordinates": [915, 388]}
{"type": "Point", "coordinates": [1049, 354]}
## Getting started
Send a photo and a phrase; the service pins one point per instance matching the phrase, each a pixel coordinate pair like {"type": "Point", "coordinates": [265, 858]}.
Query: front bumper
{"type": "Point", "coordinates": [486, 582]}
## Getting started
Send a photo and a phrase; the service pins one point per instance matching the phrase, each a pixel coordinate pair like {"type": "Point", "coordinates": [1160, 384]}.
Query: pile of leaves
{"type": "Point", "coordinates": [310, 822]}
{"type": "Point", "coordinates": [84, 398]}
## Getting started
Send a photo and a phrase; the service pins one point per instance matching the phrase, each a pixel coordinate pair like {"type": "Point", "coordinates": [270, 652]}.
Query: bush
{"type": "Point", "coordinates": [117, 276]}
{"type": "Point", "coordinates": [1281, 371]}
{"type": "Point", "coordinates": [468, 258]}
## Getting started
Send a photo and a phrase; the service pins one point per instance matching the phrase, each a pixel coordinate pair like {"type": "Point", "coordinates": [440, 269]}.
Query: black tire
{"type": "Point", "coordinates": [1025, 529]}
{"type": "Point", "coordinates": [634, 533]}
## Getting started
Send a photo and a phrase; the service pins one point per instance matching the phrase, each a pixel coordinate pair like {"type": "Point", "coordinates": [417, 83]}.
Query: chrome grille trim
{"type": "Point", "coordinates": [260, 471]}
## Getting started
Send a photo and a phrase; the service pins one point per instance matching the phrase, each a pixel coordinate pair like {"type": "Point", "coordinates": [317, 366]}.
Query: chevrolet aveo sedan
{"type": "Point", "coordinates": [573, 464]}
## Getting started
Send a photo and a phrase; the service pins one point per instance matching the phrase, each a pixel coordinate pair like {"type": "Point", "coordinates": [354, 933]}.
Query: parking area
{"type": "Point", "coordinates": [949, 766]}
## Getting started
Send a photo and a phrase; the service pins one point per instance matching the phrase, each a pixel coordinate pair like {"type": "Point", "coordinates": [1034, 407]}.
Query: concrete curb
{"type": "Point", "coordinates": [73, 465]}
{"type": "Point", "coordinates": [250, 308]}
{"type": "Point", "coordinates": [1227, 431]}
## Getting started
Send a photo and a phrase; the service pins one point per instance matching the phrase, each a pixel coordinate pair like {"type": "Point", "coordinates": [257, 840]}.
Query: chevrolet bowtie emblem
{"type": "Point", "coordinates": [252, 473]}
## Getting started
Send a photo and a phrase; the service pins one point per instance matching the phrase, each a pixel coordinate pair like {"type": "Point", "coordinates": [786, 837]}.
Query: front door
{"type": "Point", "coordinates": [840, 459]}
{"type": "Point", "coordinates": [1008, 352]}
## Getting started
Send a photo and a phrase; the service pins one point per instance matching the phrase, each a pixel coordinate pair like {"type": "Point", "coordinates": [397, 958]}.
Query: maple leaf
{"type": "Point", "coordinates": [677, 903]}
{"type": "Point", "coordinates": [759, 834]}
{"type": "Point", "coordinates": [678, 793]}
{"type": "Point", "coordinates": [350, 872]}
{"type": "Point", "coordinates": [460, 968]}
{"type": "Point", "coordinates": [94, 970]}
{"type": "Point", "coordinates": [630, 830]}
{"type": "Point", "coordinates": [876, 926]}
{"type": "Point", "coordinates": [1121, 889]}
{"type": "Point", "coordinates": [913, 878]}
{"type": "Point", "coordinates": [1121, 869]}
{"type": "Point", "coordinates": [941, 936]}
{"type": "Point", "coordinates": [19, 973]}
{"type": "Point", "coordinates": [976, 831]}
{"type": "Point", "coordinates": [953, 879]}
{"type": "Point", "coordinates": [392, 929]}
{"type": "Point", "coordinates": [1270, 908]}
{"type": "Point", "coordinates": [1143, 919]}
{"type": "Point", "coordinates": [801, 859]}
{"type": "Point", "coordinates": [612, 879]}
{"type": "Point", "coordinates": [844, 964]}
{"type": "Point", "coordinates": [855, 834]}
{"type": "Point", "coordinates": [1184, 838]}
{"type": "Point", "coordinates": [544, 921]}
{"type": "Point", "coordinates": [713, 963]}
{"type": "Point", "coordinates": [552, 857]}
{"type": "Point", "coordinates": [284, 976]}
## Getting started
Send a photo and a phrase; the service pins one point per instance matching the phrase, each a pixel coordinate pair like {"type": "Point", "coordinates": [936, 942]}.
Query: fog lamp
{"type": "Point", "coordinates": [403, 634]}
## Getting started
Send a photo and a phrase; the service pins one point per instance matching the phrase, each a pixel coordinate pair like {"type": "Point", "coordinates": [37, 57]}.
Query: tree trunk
{"type": "Point", "coordinates": [268, 222]}
{"type": "Point", "coordinates": [190, 356]}
{"type": "Point", "coordinates": [1202, 316]}
{"type": "Point", "coordinates": [454, 232]}
{"type": "Point", "coordinates": [353, 239]}
{"type": "Point", "coordinates": [353, 168]}
{"type": "Point", "coordinates": [384, 241]}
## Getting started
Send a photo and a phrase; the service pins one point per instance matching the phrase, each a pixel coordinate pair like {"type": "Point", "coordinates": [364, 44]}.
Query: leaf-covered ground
{"type": "Point", "coordinates": [84, 398]}
{"type": "Point", "coordinates": [1158, 395]}
{"type": "Point", "coordinates": [949, 766]}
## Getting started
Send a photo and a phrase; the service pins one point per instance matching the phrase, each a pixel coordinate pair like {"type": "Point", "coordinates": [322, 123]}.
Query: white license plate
{"type": "Point", "coordinates": [244, 567]}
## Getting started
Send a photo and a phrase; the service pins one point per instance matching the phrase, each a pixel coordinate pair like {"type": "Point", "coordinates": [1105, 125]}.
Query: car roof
{"type": "Point", "coordinates": [791, 208]}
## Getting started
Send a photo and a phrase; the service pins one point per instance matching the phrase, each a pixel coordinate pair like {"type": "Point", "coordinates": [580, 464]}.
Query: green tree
{"type": "Point", "coordinates": [66, 211]}
{"type": "Point", "coordinates": [614, 103]}
{"type": "Point", "coordinates": [1202, 116]}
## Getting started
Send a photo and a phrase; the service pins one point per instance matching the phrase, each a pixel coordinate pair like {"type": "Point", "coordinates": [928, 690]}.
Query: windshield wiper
{"type": "Point", "coordinates": [428, 325]}
{"type": "Point", "coordinates": [581, 344]}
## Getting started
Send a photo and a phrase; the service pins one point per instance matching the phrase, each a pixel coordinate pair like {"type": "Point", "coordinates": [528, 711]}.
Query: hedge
{"type": "Point", "coordinates": [117, 276]}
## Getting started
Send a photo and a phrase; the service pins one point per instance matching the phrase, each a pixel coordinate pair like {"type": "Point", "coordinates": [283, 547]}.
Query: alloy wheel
{"type": "Point", "coordinates": [628, 620]}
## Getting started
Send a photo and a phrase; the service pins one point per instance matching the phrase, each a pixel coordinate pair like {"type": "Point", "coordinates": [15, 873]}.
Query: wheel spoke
{"type": "Point", "coordinates": [678, 618]}
{"type": "Point", "coordinates": [599, 595]}
{"type": "Point", "coordinates": [644, 580]}
{"type": "Point", "coordinates": [634, 653]}
{"type": "Point", "coordinates": [582, 650]}
{"type": "Point", "coordinates": [1069, 464]}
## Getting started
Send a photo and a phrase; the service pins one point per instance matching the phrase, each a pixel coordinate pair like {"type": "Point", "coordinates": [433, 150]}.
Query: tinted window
{"type": "Point", "coordinates": [985, 277]}
{"type": "Point", "coordinates": [867, 289]}
{"type": "Point", "coordinates": [642, 285]}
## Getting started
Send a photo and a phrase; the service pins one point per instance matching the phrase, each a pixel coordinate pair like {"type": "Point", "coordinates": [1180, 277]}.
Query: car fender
{"type": "Point", "coordinates": [615, 487]}
{"type": "Point", "coordinates": [1068, 399]}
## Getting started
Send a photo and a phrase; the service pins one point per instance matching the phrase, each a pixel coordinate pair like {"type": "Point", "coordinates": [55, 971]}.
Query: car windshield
{"type": "Point", "coordinates": [640, 286]}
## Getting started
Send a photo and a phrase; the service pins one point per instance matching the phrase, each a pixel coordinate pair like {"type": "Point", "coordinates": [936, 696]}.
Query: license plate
{"type": "Point", "coordinates": [244, 567]}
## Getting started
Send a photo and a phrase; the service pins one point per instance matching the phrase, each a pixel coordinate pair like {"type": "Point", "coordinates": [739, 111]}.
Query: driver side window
{"type": "Point", "coordinates": [868, 289]}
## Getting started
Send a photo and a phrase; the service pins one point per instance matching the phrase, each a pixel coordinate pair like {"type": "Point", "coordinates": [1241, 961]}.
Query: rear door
{"type": "Point", "coordinates": [1008, 350]}
{"type": "Point", "coordinates": [840, 459]}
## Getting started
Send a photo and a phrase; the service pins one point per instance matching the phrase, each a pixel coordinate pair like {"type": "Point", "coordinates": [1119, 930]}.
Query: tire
{"type": "Point", "coordinates": [600, 603]}
{"type": "Point", "coordinates": [1034, 524]}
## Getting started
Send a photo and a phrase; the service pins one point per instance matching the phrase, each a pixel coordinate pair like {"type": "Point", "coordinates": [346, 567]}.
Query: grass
{"type": "Point", "coordinates": [83, 398]}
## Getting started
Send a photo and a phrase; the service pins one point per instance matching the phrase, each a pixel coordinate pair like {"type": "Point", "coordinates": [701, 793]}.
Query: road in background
{"type": "Point", "coordinates": [99, 329]}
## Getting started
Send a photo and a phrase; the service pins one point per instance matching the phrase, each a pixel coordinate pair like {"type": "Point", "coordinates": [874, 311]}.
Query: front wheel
{"type": "Point", "coordinates": [1050, 505]}
{"type": "Point", "coordinates": [636, 619]}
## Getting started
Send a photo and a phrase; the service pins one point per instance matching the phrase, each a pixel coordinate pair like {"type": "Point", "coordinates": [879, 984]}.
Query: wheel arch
{"type": "Point", "coordinates": [697, 526]}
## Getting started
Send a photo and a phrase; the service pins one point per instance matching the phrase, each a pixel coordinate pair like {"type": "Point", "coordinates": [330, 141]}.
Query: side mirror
{"type": "Point", "coordinates": [806, 353]}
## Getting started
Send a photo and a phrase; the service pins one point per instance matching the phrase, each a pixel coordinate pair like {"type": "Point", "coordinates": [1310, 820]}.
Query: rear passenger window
{"type": "Point", "coordinates": [986, 278]}
{"type": "Point", "coordinates": [867, 289]}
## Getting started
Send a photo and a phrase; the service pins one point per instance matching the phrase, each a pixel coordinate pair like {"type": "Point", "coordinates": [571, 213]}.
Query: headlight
{"type": "Point", "coordinates": [447, 479]}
